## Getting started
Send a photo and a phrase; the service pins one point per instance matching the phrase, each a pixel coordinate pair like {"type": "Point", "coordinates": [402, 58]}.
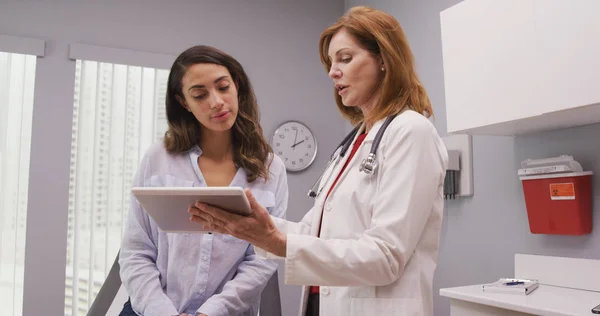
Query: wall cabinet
{"type": "Point", "coordinates": [521, 66]}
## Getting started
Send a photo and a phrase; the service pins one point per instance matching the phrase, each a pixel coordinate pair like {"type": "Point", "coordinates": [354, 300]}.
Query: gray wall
{"type": "Point", "coordinates": [481, 234]}
{"type": "Point", "coordinates": [275, 40]}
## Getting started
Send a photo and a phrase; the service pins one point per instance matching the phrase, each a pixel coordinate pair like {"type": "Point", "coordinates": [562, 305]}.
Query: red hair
{"type": "Point", "coordinates": [380, 34]}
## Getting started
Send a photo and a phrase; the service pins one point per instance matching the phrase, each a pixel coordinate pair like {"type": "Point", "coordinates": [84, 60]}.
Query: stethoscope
{"type": "Point", "coordinates": [367, 165]}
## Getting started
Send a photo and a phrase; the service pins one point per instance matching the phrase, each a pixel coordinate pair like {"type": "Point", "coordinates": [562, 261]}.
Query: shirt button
{"type": "Point", "coordinates": [205, 258]}
{"type": "Point", "coordinates": [325, 291]}
{"type": "Point", "coordinates": [328, 206]}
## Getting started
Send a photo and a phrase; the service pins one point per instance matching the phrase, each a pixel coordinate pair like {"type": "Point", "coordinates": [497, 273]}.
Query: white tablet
{"type": "Point", "coordinates": [168, 206]}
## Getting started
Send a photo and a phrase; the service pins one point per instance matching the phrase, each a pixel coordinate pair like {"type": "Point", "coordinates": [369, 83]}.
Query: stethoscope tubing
{"type": "Point", "coordinates": [343, 148]}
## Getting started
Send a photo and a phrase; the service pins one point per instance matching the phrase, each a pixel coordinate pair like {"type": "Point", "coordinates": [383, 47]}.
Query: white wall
{"type": "Point", "coordinates": [480, 235]}
{"type": "Point", "coordinates": [275, 40]}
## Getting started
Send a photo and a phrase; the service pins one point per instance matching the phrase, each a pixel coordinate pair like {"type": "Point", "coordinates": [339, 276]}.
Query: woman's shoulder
{"type": "Point", "coordinates": [157, 157]}
{"type": "Point", "coordinates": [265, 191]}
{"type": "Point", "coordinates": [275, 165]}
{"type": "Point", "coordinates": [158, 150]}
{"type": "Point", "coordinates": [412, 129]}
{"type": "Point", "coordinates": [411, 122]}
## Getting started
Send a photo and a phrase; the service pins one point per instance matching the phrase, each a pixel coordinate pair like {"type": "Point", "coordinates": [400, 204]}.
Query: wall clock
{"type": "Point", "coordinates": [295, 144]}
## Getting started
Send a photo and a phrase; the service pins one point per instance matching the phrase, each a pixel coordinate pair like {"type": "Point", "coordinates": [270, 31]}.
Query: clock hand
{"type": "Point", "coordinates": [298, 143]}
{"type": "Point", "coordinates": [295, 137]}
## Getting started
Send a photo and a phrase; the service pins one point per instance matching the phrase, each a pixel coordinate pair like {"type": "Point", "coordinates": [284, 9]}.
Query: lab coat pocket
{"type": "Point", "coordinates": [264, 198]}
{"type": "Point", "coordinates": [383, 306]}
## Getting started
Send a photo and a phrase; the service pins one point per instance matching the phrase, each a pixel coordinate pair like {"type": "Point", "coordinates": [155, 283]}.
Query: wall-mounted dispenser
{"type": "Point", "coordinates": [451, 182]}
{"type": "Point", "coordinates": [558, 196]}
{"type": "Point", "coordinates": [459, 176]}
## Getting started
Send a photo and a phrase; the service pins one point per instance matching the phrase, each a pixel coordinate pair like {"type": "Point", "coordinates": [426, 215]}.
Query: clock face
{"type": "Point", "coordinates": [295, 144]}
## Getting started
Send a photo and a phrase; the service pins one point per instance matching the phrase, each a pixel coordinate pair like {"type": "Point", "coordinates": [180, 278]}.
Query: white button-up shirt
{"type": "Point", "coordinates": [174, 273]}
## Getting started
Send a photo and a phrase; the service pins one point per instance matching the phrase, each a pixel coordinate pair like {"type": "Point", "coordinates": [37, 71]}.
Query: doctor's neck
{"type": "Point", "coordinates": [366, 110]}
{"type": "Point", "coordinates": [216, 145]}
{"type": "Point", "coordinates": [368, 124]}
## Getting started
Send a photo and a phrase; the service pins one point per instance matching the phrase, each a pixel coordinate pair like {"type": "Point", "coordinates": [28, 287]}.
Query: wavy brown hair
{"type": "Point", "coordinates": [381, 35]}
{"type": "Point", "coordinates": [251, 150]}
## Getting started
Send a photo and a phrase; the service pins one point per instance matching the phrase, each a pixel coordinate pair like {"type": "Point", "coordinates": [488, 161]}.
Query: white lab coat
{"type": "Point", "coordinates": [379, 240]}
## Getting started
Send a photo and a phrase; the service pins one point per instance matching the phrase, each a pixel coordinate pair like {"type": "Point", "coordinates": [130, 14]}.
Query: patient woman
{"type": "Point", "coordinates": [214, 139]}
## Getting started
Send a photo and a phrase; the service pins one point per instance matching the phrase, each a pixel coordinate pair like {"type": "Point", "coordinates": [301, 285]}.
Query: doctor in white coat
{"type": "Point", "coordinates": [369, 246]}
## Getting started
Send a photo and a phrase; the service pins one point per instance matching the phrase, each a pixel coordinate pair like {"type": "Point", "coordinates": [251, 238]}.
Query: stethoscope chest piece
{"type": "Point", "coordinates": [368, 165]}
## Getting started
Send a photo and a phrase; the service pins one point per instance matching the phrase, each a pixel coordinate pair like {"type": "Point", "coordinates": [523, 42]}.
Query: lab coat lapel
{"type": "Point", "coordinates": [329, 176]}
{"type": "Point", "coordinates": [357, 159]}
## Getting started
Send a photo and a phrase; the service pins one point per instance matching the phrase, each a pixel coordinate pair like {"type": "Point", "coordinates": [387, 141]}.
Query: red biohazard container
{"type": "Point", "coordinates": [559, 204]}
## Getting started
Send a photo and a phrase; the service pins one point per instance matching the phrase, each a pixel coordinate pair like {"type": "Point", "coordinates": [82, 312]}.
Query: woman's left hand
{"type": "Point", "coordinates": [257, 228]}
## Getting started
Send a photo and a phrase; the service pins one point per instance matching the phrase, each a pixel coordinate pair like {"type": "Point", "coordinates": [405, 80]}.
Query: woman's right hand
{"type": "Point", "coordinates": [258, 228]}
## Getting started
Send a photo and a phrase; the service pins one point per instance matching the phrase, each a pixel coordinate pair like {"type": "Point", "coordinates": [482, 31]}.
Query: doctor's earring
{"type": "Point", "coordinates": [382, 69]}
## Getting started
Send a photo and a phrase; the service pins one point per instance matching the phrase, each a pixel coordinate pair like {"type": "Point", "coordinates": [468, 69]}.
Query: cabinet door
{"type": "Point", "coordinates": [568, 46]}
{"type": "Point", "coordinates": [489, 62]}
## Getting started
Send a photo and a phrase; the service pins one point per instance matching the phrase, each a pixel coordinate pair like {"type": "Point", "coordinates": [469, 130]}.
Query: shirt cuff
{"type": "Point", "coordinates": [212, 308]}
{"type": "Point", "coordinates": [293, 245]}
{"type": "Point", "coordinates": [294, 268]}
{"type": "Point", "coordinates": [263, 254]}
